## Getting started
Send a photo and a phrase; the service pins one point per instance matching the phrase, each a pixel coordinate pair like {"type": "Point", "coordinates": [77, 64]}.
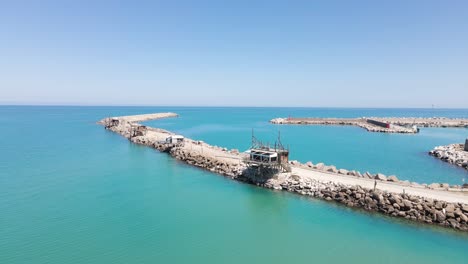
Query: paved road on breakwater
{"type": "Point", "coordinates": [145, 117]}
{"type": "Point", "coordinates": [448, 196]}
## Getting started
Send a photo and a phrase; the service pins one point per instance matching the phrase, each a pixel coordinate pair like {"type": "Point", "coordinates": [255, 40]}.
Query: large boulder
{"type": "Point", "coordinates": [332, 169]}
{"type": "Point", "coordinates": [394, 198]}
{"type": "Point", "coordinates": [450, 210]}
{"type": "Point", "coordinates": [380, 177]}
{"type": "Point", "coordinates": [453, 223]}
{"type": "Point", "coordinates": [343, 171]}
{"type": "Point", "coordinates": [464, 218]}
{"type": "Point", "coordinates": [309, 164]}
{"type": "Point", "coordinates": [406, 182]}
{"type": "Point", "coordinates": [392, 178]}
{"type": "Point", "coordinates": [319, 166]}
{"type": "Point", "coordinates": [234, 151]}
{"type": "Point", "coordinates": [368, 175]}
{"type": "Point", "coordinates": [295, 177]}
{"type": "Point", "coordinates": [407, 204]}
{"type": "Point", "coordinates": [439, 216]}
{"type": "Point", "coordinates": [465, 208]}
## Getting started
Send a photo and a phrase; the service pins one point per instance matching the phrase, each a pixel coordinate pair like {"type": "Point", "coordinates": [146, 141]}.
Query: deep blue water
{"type": "Point", "coordinates": [72, 192]}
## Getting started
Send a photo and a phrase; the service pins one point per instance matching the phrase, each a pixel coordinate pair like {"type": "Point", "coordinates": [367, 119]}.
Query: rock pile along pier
{"type": "Point", "coordinates": [453, 154]}
{"type": "Point", "coordinates": [395, 124]}
{"type": "Point", "coordinates": [436, 203]}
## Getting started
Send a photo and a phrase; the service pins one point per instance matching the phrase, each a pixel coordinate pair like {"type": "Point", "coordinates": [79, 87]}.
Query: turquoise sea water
{"type": "Point", "coordinates": [71, 192]}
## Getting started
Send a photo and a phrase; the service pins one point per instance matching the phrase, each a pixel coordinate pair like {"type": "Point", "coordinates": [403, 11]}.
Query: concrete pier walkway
{"type": "Point", "coordinates": [145, 117]}
{"type": "Point", "coordinates": [457, 196]}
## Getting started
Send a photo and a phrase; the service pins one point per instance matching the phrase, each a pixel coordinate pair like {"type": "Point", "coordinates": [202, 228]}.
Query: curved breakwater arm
{"type": "Point", "coordinates": [378, 124]}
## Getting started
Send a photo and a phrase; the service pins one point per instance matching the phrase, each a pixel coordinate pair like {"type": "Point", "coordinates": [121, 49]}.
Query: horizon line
{"type": "Point", "coordinates": [225, 106]}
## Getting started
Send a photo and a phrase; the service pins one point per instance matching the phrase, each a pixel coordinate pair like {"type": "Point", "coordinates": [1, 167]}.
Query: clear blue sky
{"type": "Point", "coordinates": [243, 53]}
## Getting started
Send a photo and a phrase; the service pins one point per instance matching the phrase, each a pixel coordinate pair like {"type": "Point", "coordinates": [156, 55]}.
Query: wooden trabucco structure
{"type": "Point", "coordinates": [137, 130]}
{"type": "Point", "coordinates": [266, 159]}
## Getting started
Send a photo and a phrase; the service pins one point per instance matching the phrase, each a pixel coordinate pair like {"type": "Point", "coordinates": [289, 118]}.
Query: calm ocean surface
{"type": "Point", "coordinates": [71, 192]}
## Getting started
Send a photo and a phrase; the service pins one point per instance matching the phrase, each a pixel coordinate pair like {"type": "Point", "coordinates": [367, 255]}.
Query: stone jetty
{"type": "Point", "coordinates": [439, 204]}
{"type": "Point", "coordinates": [395, 124]}
{"type": "Point", "coordinates": [454, 154]}
{"type": "Point", "coordinates": [198, 153]}
{"type": "Point", "coordinates": [411, 207]}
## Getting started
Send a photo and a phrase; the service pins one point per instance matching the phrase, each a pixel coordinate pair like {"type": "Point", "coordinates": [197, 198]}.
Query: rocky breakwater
{"type": "Point", "coordinates": [425, 121]}
{"type": "Point", "coordinates": [197, 153]}
{"type": "Point", "coordinates": [378, 177]}
{"type": "Point", "coordinates": [391, 129]}
{"type": "Point", "coordinates": [333, 170]}
{"type": "Point", "coordinates": [359, 194]}
{"type": "Point", "coordinates": [360, 122]}
{"type": "Point", "coordinates": [397, 124]}
{"type": "Point", "coordinates": [316, 121]}
{"type": "Point", "coordinates": [233, 170]}
{"type": "Point", "coordinates": [431, 211]}
{"type": "Point", "coordinates": [453, 154]}
{"type": "Point", "coordinates": [129, 127]}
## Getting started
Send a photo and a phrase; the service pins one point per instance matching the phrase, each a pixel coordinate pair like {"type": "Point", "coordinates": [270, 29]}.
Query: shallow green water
{"type": "Point", "coordinates": [71, 192]}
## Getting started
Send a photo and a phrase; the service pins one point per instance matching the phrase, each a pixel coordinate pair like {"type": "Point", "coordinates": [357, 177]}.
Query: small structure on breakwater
{"type": "Point", "coordinates": [265, 160]}
{"type": "Point", "coordinates": [170, 142]}
{"type": "Point", "coordinates": [175, 139]}
{"type": "Point", "coordinates": [466, 145]}
{"type": "Point", "coordinates": [392, 127]}
{"type": "Point", "coordinates": [137, 130]}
